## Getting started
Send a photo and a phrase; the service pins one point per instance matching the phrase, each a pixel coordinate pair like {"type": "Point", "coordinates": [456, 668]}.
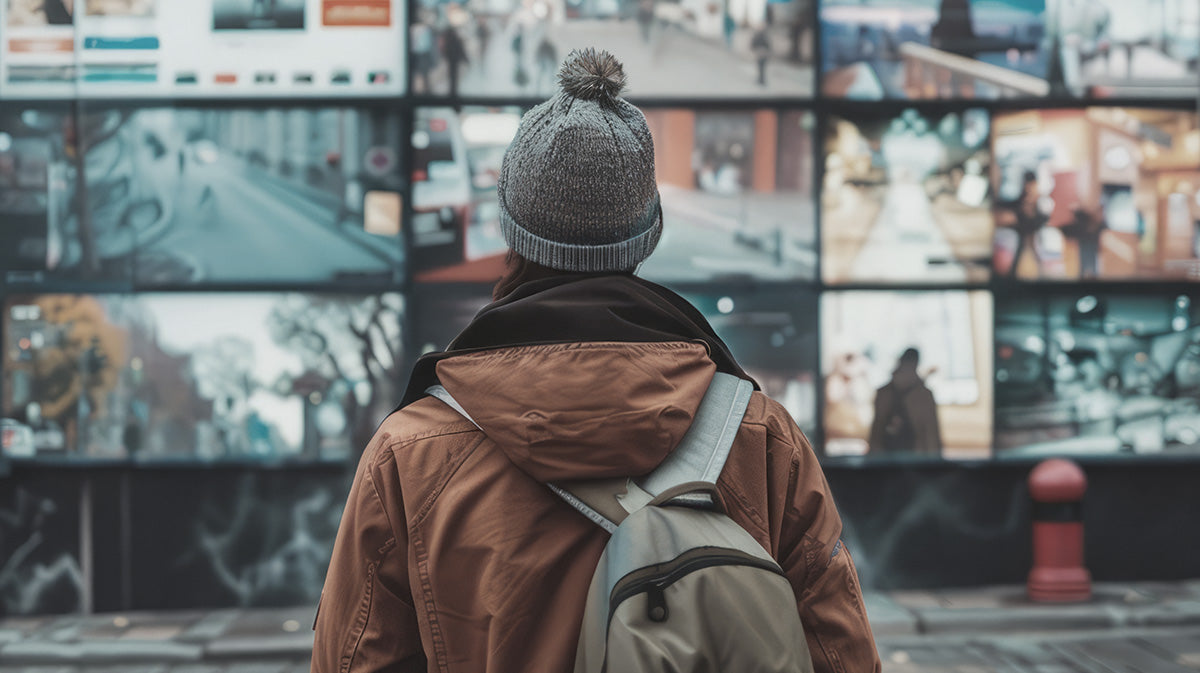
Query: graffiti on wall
{"type": "Point", "coordinates": [254, 540]}
{"type": "Point", "coordinates": [40, 569]}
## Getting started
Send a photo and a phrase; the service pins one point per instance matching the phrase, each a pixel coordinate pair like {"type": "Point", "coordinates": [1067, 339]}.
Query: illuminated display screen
{"type": "Point", "coordinates": [150, 48]}
{"type": "Point", "coordinates": [773, 337]}
{"type": "Point", "coordinates": [1118, 48]}
{"type": "Point", "coordinates": [1097, 193]}
{"type": "Point", "coordinates": [200, 376]}
{"type": "Point", "coordinates": [916, 49]}
{"type": "Point", "coordinates": [907, 199]}
{"type": "Point", "coordinates": [1098, 374]}
{"type": "Point", "coordinates": [308, 195]}
{"type": "Point", "coordinates": [913, 49]}
{"type": "Point", "coordinates": [907, 373]}
{"type": "Point", "coordinates": [735, 185]}
{"type": "Point", "coordinates": [38, 188]}
{"type": "Point", "coordinates": [674, 48]}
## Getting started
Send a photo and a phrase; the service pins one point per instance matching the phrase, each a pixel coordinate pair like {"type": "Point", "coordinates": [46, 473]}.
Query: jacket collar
{"type": "Point", "coordinates": [579, 308]}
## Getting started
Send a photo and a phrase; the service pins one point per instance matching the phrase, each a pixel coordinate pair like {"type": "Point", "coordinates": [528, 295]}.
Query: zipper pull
{"type": "Point", "coordinates": [656, 603]}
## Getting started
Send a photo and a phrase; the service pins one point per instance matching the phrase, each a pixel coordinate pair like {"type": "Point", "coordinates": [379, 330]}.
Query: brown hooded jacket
{"type": "Point", "coordinates": [453, 555]}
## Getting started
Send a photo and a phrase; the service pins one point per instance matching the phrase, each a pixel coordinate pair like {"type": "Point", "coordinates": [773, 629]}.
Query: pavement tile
{"type": "Point", "coordinates": [1032, 618]}
{"type": "Point", "coordinates": [61, 630]}
{"type": "Point", "coordinates": [195, 668]}
{"type": "Point", "coordinates": [164, 632]}
{"type": "Point", "coordinates": [916, 599]}
{"type": "Point", "coordinates": [1174, 613]}
{"type": "Point", "coordinates": [890, 667]}
{"type": "Point", "coordinates": [1126, 655]}
{"type": "Point", "coordinates": [272, 621]}
{"type": "Point", "coordinates": [931, 654]}
{"type": "Point", "coordinates": [887, 617]}
{"type": "Point", "coordinates": [1166, 590]}
{"type": "Point", "coordinates": [1117, 655]}
{"type": "Point", "coordinates": [1182, 649]}
{"type": "Point", "coordinates": [285, 645]}
{"type": "Point", "coordinates": [212, 625]}
{"type": "Point", "coordinates": [972, 602]}
{"type": "Point", "coordinates": [128, 668]}
{"type": "Point", "coordinates": [97, 652]}
{"type": "Point", "coordinates": [116, 625]}
{"type": "Point", "coordinates": [10, 636]}
{"type": "Point", "coordinates": [1016, 650]}
{"type": "Point", "coordinates": [259, 667]}
{"type": "Point", "coordinates": [24, 624]}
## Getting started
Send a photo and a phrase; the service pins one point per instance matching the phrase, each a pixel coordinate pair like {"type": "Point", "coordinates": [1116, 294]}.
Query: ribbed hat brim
{"type": "Point", "coordinates": [619, 256]}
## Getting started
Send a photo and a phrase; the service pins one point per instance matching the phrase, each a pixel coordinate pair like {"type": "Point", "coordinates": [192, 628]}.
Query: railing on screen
{"type": "Point", "coordinates": [933, 73]}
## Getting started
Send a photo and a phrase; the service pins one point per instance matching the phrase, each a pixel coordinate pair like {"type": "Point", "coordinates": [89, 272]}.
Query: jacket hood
{"type": "Point", "coordinates": [581, 376]}
{"type": "Point", "coordinates": [583, 410]}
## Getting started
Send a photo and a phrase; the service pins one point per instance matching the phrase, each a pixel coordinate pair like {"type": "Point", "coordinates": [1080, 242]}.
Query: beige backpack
{"type": "Point", "coordinates": [680, 586]}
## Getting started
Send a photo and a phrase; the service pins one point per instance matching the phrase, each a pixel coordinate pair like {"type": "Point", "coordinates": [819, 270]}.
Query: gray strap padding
{"type": "Point", "coordinates": [585, 509]}
{"type": "Point", "coordinates": [444, 395]}
{"type": "Point", "coordinates": [702, 452]}
{"type": "Point", "coordinates": [700, 456]}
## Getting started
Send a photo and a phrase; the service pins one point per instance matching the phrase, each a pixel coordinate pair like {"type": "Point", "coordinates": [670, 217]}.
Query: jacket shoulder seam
{"type": "Point", "coordinates": [369, 475]}
{"type": "Point", "coordinates": [455, 428]}
{"type": "Point", "coordinates": [427, 504]}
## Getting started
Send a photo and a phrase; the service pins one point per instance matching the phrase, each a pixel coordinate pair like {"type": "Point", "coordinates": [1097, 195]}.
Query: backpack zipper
{"type": "Point", "coordinates": [654, 580]}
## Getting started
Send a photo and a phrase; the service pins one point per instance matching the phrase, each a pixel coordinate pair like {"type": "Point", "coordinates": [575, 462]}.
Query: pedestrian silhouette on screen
{"type": "Point", "coordinates": [546, 57]}
{"type": "Point", "coordinates": [906, 416]}
{"type": "Point", "coordinates": [483, 32]}
{"type": "Point", "coordinates": [645, 18]}
{"type": "Point", "coordinates": [760, 44]}
{"type": "Point", "coordinates": [454, 52]}
{"type": "Point", "coordinates": [1026, 217]}
{"type": "Point", "coordinates": [424, 58]}
{"type": "Point", "coordinates": [1086, 228]}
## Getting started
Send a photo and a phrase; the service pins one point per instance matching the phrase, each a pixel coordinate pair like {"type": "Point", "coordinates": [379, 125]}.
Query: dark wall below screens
{"type": "Point", "coordinates": [233, 538]}
{"type": "Point", "coordinates": [960, 525]}
{"type": "Point", "coordinates": [213, 538]}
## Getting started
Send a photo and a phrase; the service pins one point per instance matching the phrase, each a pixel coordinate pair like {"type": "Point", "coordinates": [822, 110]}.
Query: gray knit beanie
{"type": "Point", "coordinates": [576, 188]}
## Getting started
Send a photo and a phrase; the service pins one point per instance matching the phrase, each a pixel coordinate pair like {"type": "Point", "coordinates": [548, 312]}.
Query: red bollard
{"type": "Point", "coordinates": [1057, 487]}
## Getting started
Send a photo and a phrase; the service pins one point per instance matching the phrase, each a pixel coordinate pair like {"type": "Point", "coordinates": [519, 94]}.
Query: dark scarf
{"type": "Point", "coordinates": [576, 309]}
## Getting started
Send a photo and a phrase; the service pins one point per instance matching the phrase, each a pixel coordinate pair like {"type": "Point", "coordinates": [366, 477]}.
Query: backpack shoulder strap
{"type": "Point", "coordinates": [444, 395]}
{"type": "Point", "coordinates": [698, 459]}
{"type": "Point", "coordinates": [702, 452]}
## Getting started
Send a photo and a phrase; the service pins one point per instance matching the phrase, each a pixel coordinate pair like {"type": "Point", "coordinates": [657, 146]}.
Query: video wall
{"type": "Point", "coordinates": [930, 229]}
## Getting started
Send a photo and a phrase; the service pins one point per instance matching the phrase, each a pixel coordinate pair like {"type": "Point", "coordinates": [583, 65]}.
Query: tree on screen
{"type": "Point", "coordinates": [354, 345]}
{"type": "Point", "coordinates": [80, 363]}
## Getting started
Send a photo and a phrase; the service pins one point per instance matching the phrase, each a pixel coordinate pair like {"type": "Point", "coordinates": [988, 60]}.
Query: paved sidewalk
{"type": "Point", "coordinates": [1125, 628]}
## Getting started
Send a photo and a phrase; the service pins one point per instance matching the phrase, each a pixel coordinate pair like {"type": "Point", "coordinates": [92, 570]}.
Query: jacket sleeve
{"type": "Point", "coordinates": [821, 571]}
{"type": "Point", "coordinates": [366, 622]}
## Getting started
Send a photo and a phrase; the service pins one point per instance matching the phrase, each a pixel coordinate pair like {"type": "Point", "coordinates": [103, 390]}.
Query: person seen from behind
{"type": "Point", "coordinates": [906, 414]}
{"type": "Point", "coordinates": [453, 553]}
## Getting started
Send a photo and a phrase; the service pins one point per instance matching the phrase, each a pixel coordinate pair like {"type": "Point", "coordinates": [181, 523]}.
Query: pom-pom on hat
{"type": "Point", "coordinates": [577, 189]}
